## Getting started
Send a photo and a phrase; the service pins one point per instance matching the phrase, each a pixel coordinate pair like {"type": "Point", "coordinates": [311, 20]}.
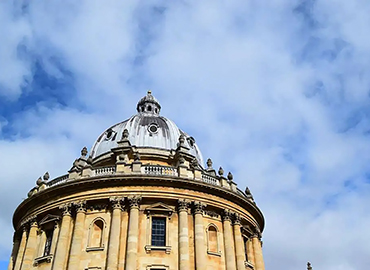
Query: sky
{"type": "Point", "coordinates": [277, 92]}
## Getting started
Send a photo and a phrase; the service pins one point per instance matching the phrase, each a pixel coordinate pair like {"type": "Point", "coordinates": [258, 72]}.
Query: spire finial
{"type": "Point", "coordinates": [149, 92]}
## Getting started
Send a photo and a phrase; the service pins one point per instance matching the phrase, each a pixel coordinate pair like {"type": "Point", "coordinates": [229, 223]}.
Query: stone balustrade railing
{"type": "Point", "coordinates": [57, 181]}
{"type": "Point", "coordinates": [210, 179]}
{"type": "Point", "coordinates": [145, 169]}
{"type": "Point", "coordinates": [159, 170]}
{"type": "Point", "coordinates": [104, 170]}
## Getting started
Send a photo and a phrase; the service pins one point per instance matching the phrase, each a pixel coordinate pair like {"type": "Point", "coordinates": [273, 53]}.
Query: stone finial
{"type": "Point", "coordinates": [209, 164]}
{"type": "Point", "coordinates": [89, 160]}
{"type": "Point", "coordinates": [46, 176]}
{"type": "Point", "coordinates": [309, 266]}
{"type": "Point", "coordinates": [125, 134]}
{"type": "Point", "coordinates": [230, 176]}
{"type": "Point", "coordinates": [39, 181]}
{"type": "Point", "coordinates": [247, 191]}
{"type": "Point", "coordinates": [182, 139]}
{"type": "Point", "coordinates": [84, 152]}
{"type": "Point", "coordinates": [221, 171]}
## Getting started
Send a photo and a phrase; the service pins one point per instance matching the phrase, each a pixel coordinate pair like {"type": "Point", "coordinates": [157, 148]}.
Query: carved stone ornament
{"type": "Point", "coordinates": [199, 207]}
{"type": "Point", "coordinates": [39, 181]}
{"type": "Point", "coordinates": [80, 206]}
{"type": "Point", "coordinates": [209, 164]}
{"type": "Point", "coordinates": [125, 134]}
{"type": "Point", "coordinates": [66, 209]}
{"type": "Point", "coordinates": [33, 221]}
{"type": "Point", "coordinates": [97, 206]}
{"type": "Point", "coordinates": [134, 201]}
{"type": "Point", "coordinates": [183, 204]}
{"type": "Point", "coordinates": [227, 214]}
{"type": "Point", "coordinates": [116, 202]}
{"type": "Point", "coordinates": [46, 176]}
{"type": "Point", "coordinates": [221, 171]}
{"type": "Point", "coordinates": [309, 266]}
{"type": "Point", "coordinates": [84, 152]}
{"type": "Point", "coordinates": [237, 219]}
{"type": "Point", "coordinates": [230, 176]}
{"type": "Point", "coordinates": [211, 213]}
{"type": "Point", "coordinates": [182, 140]}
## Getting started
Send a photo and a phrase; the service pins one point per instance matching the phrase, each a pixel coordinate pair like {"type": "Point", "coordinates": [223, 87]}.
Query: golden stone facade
{"type": "Point", "coordinates": [138, 207]}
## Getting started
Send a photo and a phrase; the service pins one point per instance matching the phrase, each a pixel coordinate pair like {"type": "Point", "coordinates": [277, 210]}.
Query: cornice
{"type": "Point", "coordinates": [98, 182]}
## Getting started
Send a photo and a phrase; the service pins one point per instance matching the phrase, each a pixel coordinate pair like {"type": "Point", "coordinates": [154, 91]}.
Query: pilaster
{"type": "Point", "coordinates": [133, 233]}
{"type": "Point", "coordinates": [200, 247]}
{"type": "Point", "coordinates": [228, 240]}
{"type": "Point", "coordinates": [114, 236]}
{"type": "Point", "coordinates": [77, 237]}
{"type": "Point", "coordinates": [29, 254]}
{"type": "Point", "coordinates": [183, 234]}
{"type": "Point", "coordinates": [61, 248]}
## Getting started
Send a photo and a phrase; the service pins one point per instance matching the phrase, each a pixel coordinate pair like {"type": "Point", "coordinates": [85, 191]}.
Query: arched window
{"type": "Point", "coordinates": [213, 246]}
{"type": "Point", "coordinates": [96, 234]}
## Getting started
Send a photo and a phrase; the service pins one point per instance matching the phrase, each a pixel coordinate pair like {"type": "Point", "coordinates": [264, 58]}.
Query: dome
{"type": "Point", "coordinates": [146, 129]}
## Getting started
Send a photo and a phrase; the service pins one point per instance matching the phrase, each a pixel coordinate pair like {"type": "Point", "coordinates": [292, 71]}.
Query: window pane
{"type": "Point", "coordinates": [49, 238]}
{"type": "Point", "coordinates": [158, 231]}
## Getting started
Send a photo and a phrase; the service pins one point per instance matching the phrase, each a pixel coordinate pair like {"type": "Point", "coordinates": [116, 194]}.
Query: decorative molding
{"type": "Point", "coordinates": [227, 214]}
{"type": "Point", "coordinates": [80, 206]}
{"type": "Point", "coordinates": [134, 201]}
{"type": "Point", "coordinates": [211, 213]}
{"type": "Point", "coordinates": [66, 209]}
{"type": "Point", "coordinates": [199, 207]}
{"type": "Point", "coordinates": [117, 202]}
{"type": "Point", "coordinates": [97, 206]}
{"type": "Point", "coordinates": [159, 208]}
{"type": "Point", "coordinates": [149, 248]}
{"type": "Point", "coordinates": [43, 259]}
{"type": "Point", "coordinates": [183, 205]}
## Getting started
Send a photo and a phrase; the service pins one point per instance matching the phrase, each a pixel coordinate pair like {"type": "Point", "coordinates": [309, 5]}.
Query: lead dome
{"type": "Point", "coordinates": [146, 129]}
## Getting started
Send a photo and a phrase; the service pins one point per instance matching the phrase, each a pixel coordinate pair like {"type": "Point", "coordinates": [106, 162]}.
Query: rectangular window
{"type": "Point", "coordinates": [158, 231]}
{"type": "Point", "coordinates": [49, 238]}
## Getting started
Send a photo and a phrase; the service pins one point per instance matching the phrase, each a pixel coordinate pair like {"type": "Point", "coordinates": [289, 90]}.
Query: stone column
{"type": "Point", "coordinates": [239, 250]}
{"type": "Point", "coordinates": [229, 241]}
{"type": "Point", "coordinates": [77, 237]}
{"type": "Point", "coordinates": [200, 247]}
{"type": "Point", "coordinates": [16, 243]}
{"type": "Point", "coordinates": [257, 247]}
{"type": "Point", "coordinates": [29, 253]}
{"type": "Point", "coordinates": [133, 233]}
{"type": "Point", "coordinates": [60, 256]}
{"type": "Point", "coordinates": [114, 235]}
{"type": "Point", "coordinates": [250, 252]}
{"type": "Point", "coordinates": [183, 235]}
{"type": "Point", "coordinates": [22, 246]}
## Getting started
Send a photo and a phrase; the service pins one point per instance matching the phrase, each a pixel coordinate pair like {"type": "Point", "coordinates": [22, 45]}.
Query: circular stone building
{"type": "Point", "coordinates": [141, 200]}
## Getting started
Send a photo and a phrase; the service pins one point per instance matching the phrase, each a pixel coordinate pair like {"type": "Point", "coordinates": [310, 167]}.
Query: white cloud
{"type": "Point", "coordinates": [277, 97]}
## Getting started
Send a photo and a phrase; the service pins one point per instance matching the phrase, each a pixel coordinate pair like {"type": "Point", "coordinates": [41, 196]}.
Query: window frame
{"type": "Point", "coordinates": [158, 210]}
{"type": "Point", "coordinates": [89, 246]}
{"type": "Point", "coordinates": [211, 252]}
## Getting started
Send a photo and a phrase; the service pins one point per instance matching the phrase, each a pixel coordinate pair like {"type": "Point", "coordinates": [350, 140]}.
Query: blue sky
{"type": "Point", "coordinates": [277, 93]}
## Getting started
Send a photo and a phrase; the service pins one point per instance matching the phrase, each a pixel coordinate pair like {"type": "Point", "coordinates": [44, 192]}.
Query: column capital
{"type": "Point", "coordinates": [134, 201]}
{"type": "Point", "coordinates": [227, 214]}
{"type": "Point", "coordinates": [116, 202]}
{"type": "Point", "coordinates": [80, 206]}
{"type": "Point", "coordinates": [237, 219]}
{"type": "Point", "coordinates": [66, 209]}
{"type": "Point", "coordinates": [199, 207]}
{"type": "Point", "coordinates": [33, 222]}
{"type": "Point", "coordinates": [183, 205]}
